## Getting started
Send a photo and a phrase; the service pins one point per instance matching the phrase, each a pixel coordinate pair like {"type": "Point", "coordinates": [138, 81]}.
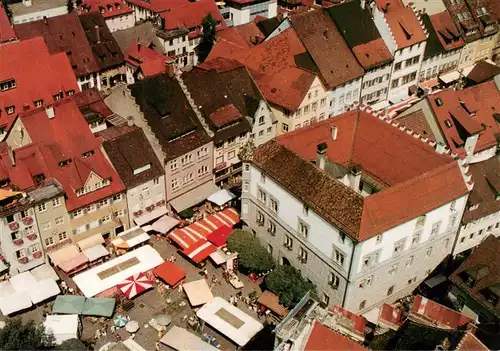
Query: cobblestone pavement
{"type": "Point", "coordinates": [172, 303]}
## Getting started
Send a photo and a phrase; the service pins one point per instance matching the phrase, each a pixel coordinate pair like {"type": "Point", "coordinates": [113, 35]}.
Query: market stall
{"type": "Point", "coordinates": [219, 236]}
{"type": "Point", "coordinates": [91, 241]}
{"type": "Point", "coordinates": [115, 271]}
{"type": "Point", "coordinates": [78, 262]}
{"type": "Point", "coordinates": [229, 320]}
{"type": "Point", "coordinates": [63, 327]}
{"type": "Point", "coordinates": [170, 273]}
{"type": "Point", "coordinates": [45, 271]}
{"type": "Point", "coordinates": [135, 285]}
{"type": "Point", "coordinates": [130, 238]}
{"type": "Point", "coordinates": [64, 254]}
{"type": "Point", "coordinates": [43, 290]}
{"type": "Point", "coordinates": [271, 301]}
{"type": "Point", "coordinates": [199, 251]}
{"type": "Point", "coordinates": [221, 197]}
{"type": "Point", "coordinates": [180, 339]}
{"type": "Point", "coordinates": [95, 253]}
{"type": "Point", "coordinates": [68, 304]}
{"type": "Point", "coordinates": [198, 292]}
{"type": "Point", "coordinates": [164, 224]}
{"type": "Point", "coordinates": [12, 301]}
{"type": "Point", "coordinates": [100, 307]}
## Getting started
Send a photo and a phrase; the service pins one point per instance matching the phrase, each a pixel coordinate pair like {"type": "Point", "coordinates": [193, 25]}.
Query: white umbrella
{"type": "Point", "coordinates": [132, 327]}
{"type": "Point", "coordinates": [163, 319]}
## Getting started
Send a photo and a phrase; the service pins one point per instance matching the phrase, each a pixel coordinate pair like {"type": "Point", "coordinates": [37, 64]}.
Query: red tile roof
{"type": "Point", "coordinates": [225, 115]}
{"type": "Point", "coordinates": [272, 64]}
{"type": "Point", "coordinates": [92, 100]}
{"type": "Point", "coordinates": [190, 14]}
{"type": "Point", "coordinates": [136, 54]}
{"type": "Point", "coordinates": [64, 137]}
{"type": "Point", "coordinates": [108, 8]}
{"type": "Point", "coordinates": [358, 322]}
{"type": "Point", "coordinates": [157, 6]}
{"type": "Point", "coordinates": [372, 54]}
{"type": "Point", "coordinates": [327, 47]}
{"type": "Point", "coordinates": [53, 75]}
{"type": "Point", "coordinates": [63, 34]}
{"type": "Point", "coordinates": [323, 338]}
{"type": "Point", "coordinates": [427, 311]}
{"type": "Point", "coordinates": [447, 32]}
{"type": "Point", "coordinates": [403, 22]}
{"type": "Point", "coordinates": [455, 121]}
{"type": "Point", "coordinates": [390, 315]}
{"type": "Point", "coordinates": [471, 343]}
{"type": "Point", "coordinates": [6, 31]}
{"type": "Point", "coordinates": [245, 35]}
{"type": "Point", "coordinates": [387, 157]}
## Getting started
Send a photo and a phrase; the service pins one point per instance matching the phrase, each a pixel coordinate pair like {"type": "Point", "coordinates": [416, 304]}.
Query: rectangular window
{"type": "Point", "coordinates": [333, 281]}
{"type": "Point", "coordinates": [393, 269]}
{"type": "Point", "coordinates": [260, 219]}
{"type": "Point", "coordinates": [49, 241]}
{"type": "Point", "coordinates": [322, 103]}
{"type": "Point", "coordinates": [288, 242]}
{"type": "Point", "coordinates": [409, 261]}
{"type": "Point", "coordinates": [399, 246]}
{"type": "Point", "coordinates": [59, 220]}
{"type": "Point", "coordinates": [338, 257]}
{"type": "Point", "coordinates": [435, 228]}
{"type": "Point", "coordinates": [397, 66]}
{"type": "Point", "coordinates": [231, 140]}
{"type": "Point", "coordinates": [56, 202]}
{"type": "Point", "coordinates": [395, 83]}
{"type": "Point", "coordinates": [428, 252]}
{"type": "Point", "coordinates": [41, 207]}
{"type": "Point", "coordinates": [302, 255]}
{"type": "Point", "coordinates": [271, 228]}
{"type": "Point", "coordinates": [284, 127]}
{"type": "Point", "coordinates": [274, 205]}
{"type": "Point", "coordinates": [262, 196]}
{"type": "Point", "coordinates": [62, 236]}
{"type": "Point", "coordinates": [303, 229]}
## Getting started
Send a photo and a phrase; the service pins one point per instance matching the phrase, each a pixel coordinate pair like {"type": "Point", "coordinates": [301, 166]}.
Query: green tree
{"type": "Point", "coordinates": [253, 257]}
{"type": "Point", "coordinates": [208, 37]}
{"type": "Point", "coordinates": [288, 284]}
{"type": "Point", "coordinates": [70, 5]}
{"type": "Point", "coordinates": [8, 11]}
{"type": "Point", "coordinates": [72, 345]}
{"type": "Point", "coordinates": [19, 336]}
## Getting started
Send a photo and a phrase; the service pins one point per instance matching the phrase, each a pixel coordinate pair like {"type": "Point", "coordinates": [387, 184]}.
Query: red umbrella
{"type": "Point", "coordinates": [135, 285]}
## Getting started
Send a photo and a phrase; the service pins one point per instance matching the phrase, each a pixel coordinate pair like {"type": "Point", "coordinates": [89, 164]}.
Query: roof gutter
{"type": "Point", "coordinates": [349, 273]}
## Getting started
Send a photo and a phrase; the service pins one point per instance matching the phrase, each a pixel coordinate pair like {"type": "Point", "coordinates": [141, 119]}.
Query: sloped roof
{"type": "Point", "coordinates": [52, 71]}
{"type": "Point", "coordinates": [136, 54]}
{"type": "Point", "coordinates": [486, 254]}
{"type": "Point", "coordinates": [110, 8]}
{"type": "Point", "coordinates": [143, 33]}
{"type": "Point", "coordinates": [106, 51]}
{"type": "Point", "coordinates": [416, 122]}
{"type": "Point", "coordinates": [190, 14]}
{"type": "Point", "coordinates": [483, 71]}
{"type": "Point", "coordinates": [414, 172]}
{"type": "Point", "coordinates": [63, 34]}
{"type": "Point", "coordinates": [429, 312]}
{"type": "Point", "coordinates": [446, 31]}
{"type": "Point", "coordinates": [169, 115]}
{"type": "Point", "coordinates": [457, 123]}
{"type": "Point", "coordinates": [153, 5]}
{"type": "Point", "coordinates": [131, 151]}
{"type": "Point", "coordinates": [327, 47]}
{"type": "Point", "coordinates": [64, 137]}
{"type": "Point", "coordinates": [323, 338]}
{"type": "Point", "coordinates": [360, 33]}
{"type": "Point", "coordinates": [486, 177]}
{"type": "Point", "coordinates": [471, 343]}
{"type": "Point", "coordinates": [6, 31]}
{"type": "Point", "coordinates": [358, 322]}
{"type": "Point", "coordinates": [90, 101]}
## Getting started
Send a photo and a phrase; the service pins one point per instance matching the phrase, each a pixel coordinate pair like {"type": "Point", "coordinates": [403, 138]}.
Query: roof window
{"type": "Point", "coordinates": [88, 154]}
{"type": "Point", "coordinates": [438, 101]}
{"type": "Point", "coordinates": [447, 123]}
{"type": "Point", "coordinates": [64, 163]}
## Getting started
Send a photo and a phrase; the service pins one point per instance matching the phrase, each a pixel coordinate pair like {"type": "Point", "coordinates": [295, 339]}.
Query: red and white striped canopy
{"type": "Point", "coordinates": [135, 285]}
{"type": "Point", "coordinates": [199, 251]}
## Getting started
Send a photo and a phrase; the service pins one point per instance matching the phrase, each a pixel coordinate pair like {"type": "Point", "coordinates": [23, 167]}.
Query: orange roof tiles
{"type": "Point", "coordinates": [403, 22]}
{"type": "Point", "coordinates": [24, 60]}
{"type": "Point", "coordinates": [372, 54]}
{"type": "Point", "coordinates": [225, 114]}
{"type": "Point", "coordinates": [6, 31]}
{"type": "Point", "coordinates": [446, 31]}
{"type": "Point", "coordinates": [467, 112]}
{"type": "Point", "coordinates": [323, 338]}
{"type": "Point", "coordinates": [358, 322]}
{"type": "Point", "coordinates": [327, 47]}
{"type": "Point", "coordinates": [190, 14]}
{"type": "Point", "coordinates": [405, 167]}
{"type": "Point", "coordinates": [428, 311]}
{"type": "Point", "coordinates": [108, 8]}
{"type": "Point", "coordinates": [471, 343]}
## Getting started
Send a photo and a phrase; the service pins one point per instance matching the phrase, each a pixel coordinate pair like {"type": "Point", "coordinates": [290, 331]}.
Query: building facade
{"type": "Point", "coordinates": [118, 15]}
{"type": "Point", "coordinates": [34, 10]}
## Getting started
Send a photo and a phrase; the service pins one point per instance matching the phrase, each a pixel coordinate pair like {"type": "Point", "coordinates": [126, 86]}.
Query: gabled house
{"type": "Point", "coordinates": [34, 10]}
{"type": "Point", "coordinates": [19, 92]}
{"type": "Point", "coordinates": [117, 15]}
{"type": "Point", "coordinates": [142, 62]}
{"type": "Point", "coordinates": [405, 36]}
{"type": "Point", "coordinates": [332, 200]}
{"type": "Point", "coordinates": [134, 160]}
{"type": "Point", "coordinates": [476, 283]}
{"type": "Point", "coordinates": [7, 33]}
{"type": "Point", "coordinates": [56, 142]}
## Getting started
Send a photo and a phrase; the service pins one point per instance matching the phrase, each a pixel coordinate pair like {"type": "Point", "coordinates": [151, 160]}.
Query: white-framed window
{"type": "Point", "coordinates": [173, 165]}
{"type": "Point", "coordinates": [338, 257]}
{"type": "Point", "coordinates": [49, 241]}
{"type": "Point", "coordinates": [302, 255]}
{"type": "Point", "coordinates": [366, 281]}
{"type": "Point", "coordinates": [399, 246]}
{"type": "Point", "coordinates": [231, 140]}
{"type": "Point", "coordinates": [409, 261]}
{"type": "Point", "coordinates": [415, 238]}
{"type": "Point", "coordinates": [56, 202]}
{"type": "Point", "coordinates": [428, 252]}
{"type": "Point", "coordinates": [303, 228]}
{"type": "Point", "coordinates": [47, 225]}
{"type": "Point", "coordinates": [62, 236]}
{"type": "Point", "coordinates": [261, 120]}
{"type": "Point", "coordinates": [232, 154]}
{"type": "Point", "coordinates": [435, 228]}
{"type": "Point", "coordinates": [284, 127]}
{"type": "Point", "coordinates": [273, 204]}
{"type": "Point", "coordinates": [41, 207]}
{"type": "Point", "coordinates": [393, 269]}
{"type": "Point", "coordinates": [325, 299]}
{"type": "Point", "coordinates": [271, 228]}
{"type": "Point", "coordinates": [59, 220]}
{"type": "Point", "coordinates": [262, 196]}
{"type": "Point", "coordinates": [260, 218]}
{"type": "Point", "coordinates": [288, 242]}
{"type": "Point", "coordinates": [117, 197]}
{"type": "Point", "coordinates": [175, 183]}
{"type": "Point", "coordinates": [378, 239]}
{"type": "Point", "coordinates": [156, 181]}
{"type": "Point", "coordinates": [370, 260]}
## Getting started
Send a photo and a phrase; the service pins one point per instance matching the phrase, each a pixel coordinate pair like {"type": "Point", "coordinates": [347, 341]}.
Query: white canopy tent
{"type": "Point", "coordinates": [23, 282]}
{"type": "Point", "coordinates": [14, 303]}
{"type": "Point", "coordinates": [180, 339]}
{"type": "Point", "coordinates": [115, 271]}
{"type": "Point", "coordinates": [64, 254]}
{"type": "Point", "coordinates": [221, 197]}
{"type": "Point", "coordinates": [91, 241]}
{"type": "Point", "coordinates": [96, 252]}
{"type": "Point", "coordinates": [164, 224]}
{"type": "Point", "coordinates": [198, 292]}
{"type": "Point", "coordinates": [63, 327]}
{"type": "Point", "coordinates": [151, 215]}
{"type": "Point", "coordinates": [45, 271]}
{"type": "Point", "coordinates": [229, 320]}
{"type": "Point", "coordinates": [43, 290]}
{"type": "Point", "coordinates": [131, 238]}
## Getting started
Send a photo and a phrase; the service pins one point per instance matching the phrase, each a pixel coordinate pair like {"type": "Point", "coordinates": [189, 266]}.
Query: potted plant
{"type": "Point", "coordinates": [31, 236]}
{"type": "Point", "coordinates": [37, 254]}
{"type": "Point", "coordinates": [23, 260]}
{"type": "Point", "coordinates": [13, 226]}
{"type": "Point", "coordinates": [18, 242]}
{"type": "Point", "coordinates": [28, 220]}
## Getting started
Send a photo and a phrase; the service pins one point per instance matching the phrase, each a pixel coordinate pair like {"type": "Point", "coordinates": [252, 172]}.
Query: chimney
{"type": "Point", "coordinates": [130, 121]}
{"type": "Point", "coordinates": [170, 67]}
{"type": "Point", "coordinates": [335, 131]}
{"type": "Point", "coordinates": [138, 46]}
{"type": "Point", "coordinates": [321, 156]}
{"type": "Point", "coordinates": [98, 35]}
{"type": "Point", "coordinates": [12, 158]}
{"type": "Point", "coordinates": [49, 110]}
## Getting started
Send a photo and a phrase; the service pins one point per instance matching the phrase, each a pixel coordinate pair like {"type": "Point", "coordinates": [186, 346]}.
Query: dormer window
{"type": "Point", "coordinates": [469, 281]}
{"type": "Point", "coordinates": [9, 84]}
{"type": "Point", "coordinates": [38, 103]}
{"type": "Point", "coordinates": [492, 298]}
{"type": "Point", "coordinates": [88, 154]}
{"type": "Point", "coordinates": [64, 163]}
{"type": "Point", "coordinates": [10, 110]}
{"type": "Point", "coordinates": [447, 123]}
{"type": "Point", "coordinates": [482, 11]}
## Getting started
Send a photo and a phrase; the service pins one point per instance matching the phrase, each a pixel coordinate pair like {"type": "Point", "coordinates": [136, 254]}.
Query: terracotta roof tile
{"type": "Point", "coordinates": [327, 47]}
{"type": "Point", "coordinates": [110, 8]}
{"type": "Point", "coordinates": [153, 5]}
{"type": "Point", "coordinates": [52, 71]}
{"type": "Point", "coordinates": [144, 33]}
{"type": "Point", "coordinates": [486, 177]}
{"type": "Point", "coordinates": [391, 315]}
{"type": "Point", "coordinates": [63, 34]}
{"type": "Point", "coordinates": [416, 122]}
{"type": "Point", "coordinates": [130, 151]}
{"type": "Point", "coordinates": [190, 14]}
{"type": "Point", "coordinates": [415, 171]}
{"type": "Point", "coordinates": [358, 322]}
{"type": "Point", "coordinates": [323, 338]}
{"type": "Point", "coordinates": [429, 312]}
{"type": "Point", "coordinates": [446, 31]}
{"type": "Point", "coordinates": [483, 71]}
{"type": "Point", "coordinates": [484, 256]}
{"type": "Point", "coordinates": [471, 343]}
{"type": "Point", "coordinates": [91, 101]}
{"type": "Point", "coordinates": [6, 31]}
{"type": "Point", "coordinates": [481, 100]}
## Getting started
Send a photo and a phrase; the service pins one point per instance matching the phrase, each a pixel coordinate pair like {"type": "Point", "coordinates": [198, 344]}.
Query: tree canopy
{"type": "Point", "coordinates": [17, 335]}
{"type": "Point", "coordinates": [288, 284]}
{"type": "Point", "coordinates": [253, 257]}
{"type": "Point", "coordinates": [208, 37]}
{"type": "Point", "coordinates": [70, 6]}
{"type": "Point", "coordinates": [72, 345]}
